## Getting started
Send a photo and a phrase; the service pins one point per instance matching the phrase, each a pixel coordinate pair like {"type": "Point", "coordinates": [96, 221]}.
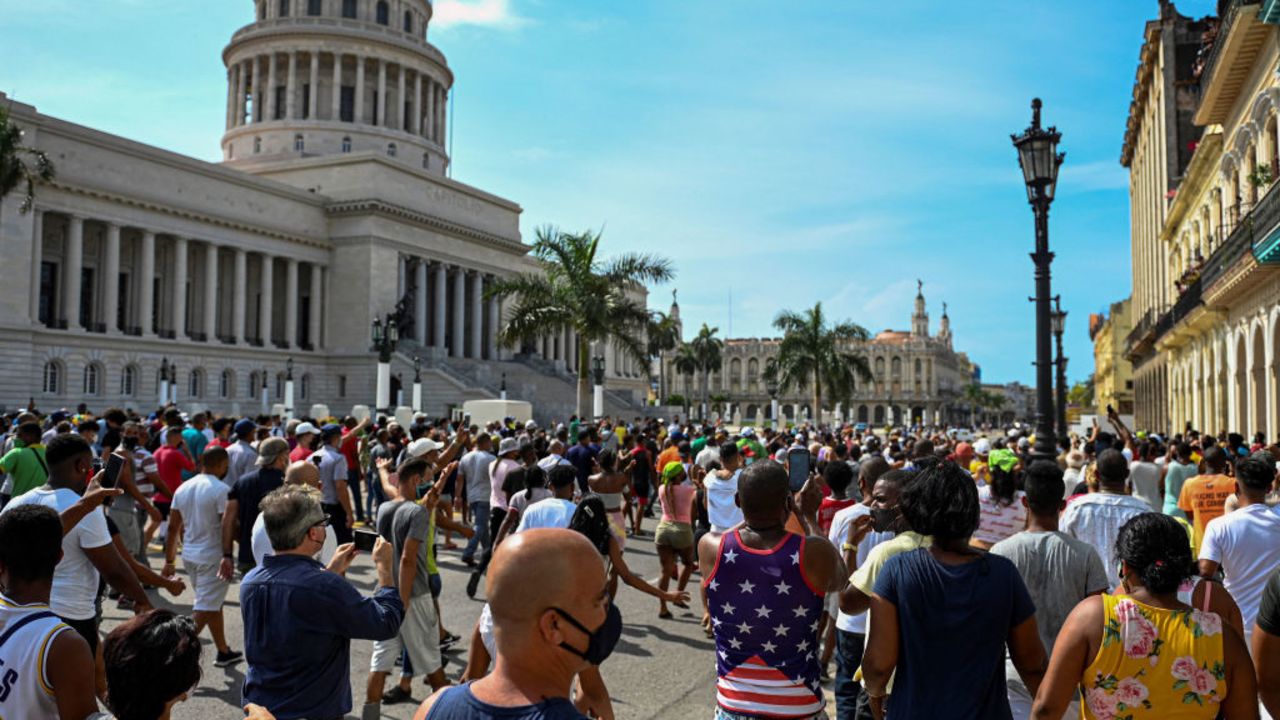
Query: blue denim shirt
{"type": "Point", "coordinates": [299, 620]}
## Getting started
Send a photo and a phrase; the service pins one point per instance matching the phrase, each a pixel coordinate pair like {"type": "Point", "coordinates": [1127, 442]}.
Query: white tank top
{"type": "Point", "coordinates": [26, 633]}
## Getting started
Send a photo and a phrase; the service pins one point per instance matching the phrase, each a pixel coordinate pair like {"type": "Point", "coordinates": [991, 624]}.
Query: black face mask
{"type": "Point", "coordinates": [600, 644]}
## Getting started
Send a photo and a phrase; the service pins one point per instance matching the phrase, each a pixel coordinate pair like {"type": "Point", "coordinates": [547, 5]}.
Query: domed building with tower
{"type": "Point", "coordinates": [140, 269]}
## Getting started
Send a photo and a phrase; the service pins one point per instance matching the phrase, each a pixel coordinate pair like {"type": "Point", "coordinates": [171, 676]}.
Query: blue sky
{"type": "Point", "coordinates": [781, 153]}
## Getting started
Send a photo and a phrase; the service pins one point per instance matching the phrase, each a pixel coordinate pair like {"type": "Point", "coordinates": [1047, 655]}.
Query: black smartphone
{"type": "Point", "coordinates": [365, 539]}
{"type": "Point", "coordinates": [112, 474]}
{"type": "Point", "coordinates": [798, 468]}
{"type": "Point", "coordinates": [317, 460]}
{"type": "Point", "coordinates": [882, 519]}
{"type": "Point", "coordinates": [1110, 410]}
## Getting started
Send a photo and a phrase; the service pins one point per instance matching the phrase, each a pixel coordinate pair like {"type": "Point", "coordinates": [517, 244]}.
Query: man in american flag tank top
{"type": "Point", "coordinates": [764, 593]}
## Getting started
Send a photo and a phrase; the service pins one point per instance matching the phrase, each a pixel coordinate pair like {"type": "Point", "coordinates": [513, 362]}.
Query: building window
{"type": "Point", "coordinates": [52, 378]}
{"type": "Point", "coordinates": [262, 10]}
{"type": "Point", "coordinates": [408, 21]}
{"type": "Point", "coordinates": [257, 145]}
{"type": "Point", "coordinates": [347, 105]}
{"type": "Point", "coordinates": [426, 161]}
{"type": "Point", "coordinates": [384, 13]}
{"type": "Point", "coordinates": [282, 102]}
{"type": "Point", "coordinates": [226, 386]}
{"type": "Point", "coordinates": [298, 143]}
{"type": "Point", "coordinates": [391, 150]}
{"type": "Point", "coordinates": [306, 101]}
{"type": "Point", "coordinates": [313, 7]}
{"type": "Point", "coordinates": [342, 386]}
{"type": "Point", "coordinates": [304, 387]}
{"type": "Point", "coordinates": [254, 380]}
{"type": "Point", "coordinates": [279, 386]}
{"type": "Point", "coordinates": [129, 381]}
{"type": "Point", "coordinates": [195, 384]}
{"type": "Point", "coordinates": [92, 376]}
{"type": "Point", "coordinates": [284, 8]}
{"type": "Point", "coordinates": [346, 144]}
{"type": "Point", "coordinates": [349, 8]}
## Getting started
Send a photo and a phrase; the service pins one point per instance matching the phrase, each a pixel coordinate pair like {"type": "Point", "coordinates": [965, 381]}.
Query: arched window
{"type": "Point", "coordinates": [391, 150]}
{"type": "Point", "coordinates": [384, 13]}
{"type": "Point", "coordinates": [52, 378]}
{"type": "Point", "coordinates": [255, 381]}
{"type": "Point", "coordinates": [129, 380]}
{"type": "Point", "coordinates": [227, 385]}
{"type": "Point", "coordinates": [262, 10]}
{"type": "Point", "coordinates": [195, 383]}
{"type": "Point", "coordinates": [895, 367]}
{"type": "Point", "coordinates": [919, 366]}
{"type": "Point", "coordinates": [304, 387]}
{"type": "Point", "coordinates": [284, 8]}
{"type": "Point", "coordinates": [346, 144]}
{"type": "Point", "coordinates": [880, 367]}
{"type": "Point", "coordinates": [92, 379]}
{"type": "Point", "coordinates": [314, 7]}
{"type": "Point", "coordinates": [349, 8]}
{"type": "Point", "coordinates": [257, 145]}
{"type": "Point", "coordinates": [408, 21]}
{"type": "Point", "coordinates": [298, 143]}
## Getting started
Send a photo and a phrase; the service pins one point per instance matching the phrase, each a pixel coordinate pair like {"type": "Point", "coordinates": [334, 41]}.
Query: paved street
{"type": "Point", "coordinates": [661, 669]}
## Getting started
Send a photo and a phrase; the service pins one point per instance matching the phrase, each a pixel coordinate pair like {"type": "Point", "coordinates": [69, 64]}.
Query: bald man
{"type": "Point", "coordinates": [335, 557]}
{"type": "Point", "coordinates": [549, 597]}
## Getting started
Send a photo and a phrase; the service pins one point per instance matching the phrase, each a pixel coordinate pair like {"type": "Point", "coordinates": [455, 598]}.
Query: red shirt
{"type": "Point", "coordinates": [828, 509]}
{"type": "Point", "coordinates": [218, 442]}
{"type": "Point", "coordinates": [170, 462]}
{"type": "Point", "coordinates": [350, 442]}
{"type": "Point", "coordinates": [301, 452]}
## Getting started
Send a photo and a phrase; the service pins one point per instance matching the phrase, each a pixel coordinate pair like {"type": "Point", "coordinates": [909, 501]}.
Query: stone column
{"type": "Point", "coordinates": [438, 311]}
{"type": "Point", "coordinates": [146, 284]}
{"type": "Point", "coordinates": [271, 108]}
{"type": "Point", "coordinates": [399, 124]}
{"type": "Point", "coordinates": [402, 276]}
{"type": "Point", "coordinates": [178, 305]}
{"type": "Point", "coordinates": [111, 279]}
{"type": "Point", "coordinates": [458, 346]}
{"type": "Point", "coordinates": [313, 101]}
{"type": "Point", "coordinates": [316, 318]}
{"type": "Point", "coordinates": [232, 78]}
{"type": "Point", "coordinates": [265, 287]}
{"type": "Point", "coordinates": [429, 131]}
{"type": "Point", "coordinates": [416, 115]}
{"type": "Point", "coordinates": [211, 292]}
{"type": "Point", "coordinates": [290, 303]}
{"type": "Point", "coordinates": [260, 92]}
{"type": "Point", "coordinates": [291, 88]}
{"type": "Point", "coordinates": [381, 108]}
{"type": "Point", "coordinates": [335, 103]}
{"type": "Point", "coordinates": [37, 257]}
{"type": "Point", "coordinates": [73, 263]}
{"type": "Point", "coordinates": [477, 316]}
{"type": "Point", "coordinates": [420, 302]}
{"type": "Point", "coordinates": [560, 346]}
{"type": "Point", "coordinates": [444, 115]}
{"type": "Point", "coordinates": [359, 118]}
{"type": "Point", "coordinates": [495, 323]}
{"type": "Point", "coordinates": [238, 300]}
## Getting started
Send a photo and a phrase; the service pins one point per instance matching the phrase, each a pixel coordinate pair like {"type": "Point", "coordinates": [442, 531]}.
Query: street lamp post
{"type": "Point", "coordinates": [288, 389]}
{"type": "Point", "coordinates": [417, 384]}
{"type": "Point", "coordinates": [771, 386]}
{"type": "Point", "coordinates": [164, 381]}
{"type": "Point", "coordinates": [1060, 326]}
{"type": "Point", "coordinates": [597, 374]}
{"type": "Point", "coordinates": [503, 389]}
{"type": "Point", "coordinates": [1039, 158]}
{"type": "Point", "coordinates": [385, 338]}
{"type": "Point", "coordinates": [264, 391]}
{"type": "Point", "coordinates": [173, 383]}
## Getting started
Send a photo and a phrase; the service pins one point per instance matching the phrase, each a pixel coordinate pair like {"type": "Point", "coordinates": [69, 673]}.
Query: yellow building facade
{"type": "Point", "coordinates": [1112, 371]}
{"type": "Point", "coordinates": [1211, 279]}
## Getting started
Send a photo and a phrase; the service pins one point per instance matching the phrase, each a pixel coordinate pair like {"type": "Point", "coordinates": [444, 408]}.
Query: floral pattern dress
{"type": "Point", "coordinates": [1155, 663]}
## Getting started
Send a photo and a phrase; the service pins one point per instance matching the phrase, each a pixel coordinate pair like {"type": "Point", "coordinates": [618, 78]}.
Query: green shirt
{"type": "Point", "coordinates": [697, 445]}
{"type": "Point", "coordinates": [27, 467]}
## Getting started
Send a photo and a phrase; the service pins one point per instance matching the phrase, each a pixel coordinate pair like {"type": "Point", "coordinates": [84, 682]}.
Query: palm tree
{"type": "Point", "coordinates": [14, 170]}
{"type": "Point", "coordinates": [662, 335]}
{"type": "Point", "coordinates": [687, 363]}
{"type": "Point", "coordinates": [973, 395]}
{"type": "Point", "coordinates": [708, 350]}
{"type": "Point", "coordinates": [813, 350]}
{"type": "Point", "coordinates": [576, 289]}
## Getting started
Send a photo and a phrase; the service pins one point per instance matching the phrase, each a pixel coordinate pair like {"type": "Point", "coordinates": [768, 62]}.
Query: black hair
{"type": "Point", "coordinates": [221, 423]}
{"type": "Point", "coordinates": [534, 478]}
{"type": "Point", "coordinates": [608, 460]}
{"type": "Point", "coordinates": [1004, 484]}
{"type": "Point", "coordinates": [562, 476]}
{"type": "Point", "coordinates": [925, 461]}
{"type": "Point", "coordinates": [1257, 472]}
{"type": "Point", "coordinates": [923, 448]}
{"type": "Point", "coordinates": [1184, 451]}
{"type": "Point", "coordinates": [838, 475]}
{"type": "Point", "coordinates": [1155, 547]}
{"type": "Point", "coordinates": [1112, 467]}
{"type": "Point", "coordinates": [412, 468]}
{"type": "Point", "coordinates": [30, 430]}
{"type": "Point", "coordinates": [1044, 487]}
{"type": "Point", "coordinates": [729, 450]}
{"type": "Point", "coordinates": [65, 447]}
{"type": "Point", "coordinates": [590, 520]}
{"type": "Point", "coordinates": [30, 541]}
{"type": "Point", "coordinates": [763, 487]}
{"type": "Point", "coordinates": [941, 501]}
{"type": "Point", "coordinates": [87, 425]}
{"type": "Point", "coordinates": [1215, 458]}
{"type": "Point", "coordinates": [150, 659]}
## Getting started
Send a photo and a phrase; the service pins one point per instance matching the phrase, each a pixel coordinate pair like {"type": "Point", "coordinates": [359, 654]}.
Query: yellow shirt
{"type": "Point", "coordinates": [1155, 663]}
{"type": "Point", "coordinates": [864, 578]}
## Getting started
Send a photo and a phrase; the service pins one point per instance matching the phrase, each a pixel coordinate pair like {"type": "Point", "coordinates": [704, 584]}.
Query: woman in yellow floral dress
{"type": "Point", "coordinates": [1144, 653]}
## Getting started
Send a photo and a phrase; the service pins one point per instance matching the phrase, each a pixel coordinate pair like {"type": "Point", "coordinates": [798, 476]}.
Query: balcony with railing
{"type": "Point", "coordinates": [1239, 41]}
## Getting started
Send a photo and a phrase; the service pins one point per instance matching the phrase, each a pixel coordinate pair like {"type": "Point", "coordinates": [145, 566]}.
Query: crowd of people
{"type": "Point", "coordinates": [909, 574]}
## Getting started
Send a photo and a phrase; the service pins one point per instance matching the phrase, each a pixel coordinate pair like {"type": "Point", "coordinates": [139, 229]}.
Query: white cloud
{"type": "Point", "coordinates": [487, 13]}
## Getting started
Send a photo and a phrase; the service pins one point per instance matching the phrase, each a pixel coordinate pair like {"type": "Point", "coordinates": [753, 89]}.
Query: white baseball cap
{"type": "Point", "coordinates": [982, 446]}
{"type": "Point", "coordinates": [306, 428]}
{"type": "Point", "coordinates": [422, 446]}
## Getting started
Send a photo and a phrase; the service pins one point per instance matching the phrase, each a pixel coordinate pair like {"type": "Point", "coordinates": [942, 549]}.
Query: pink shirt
{"type": "Point", "coordinates": [997, 520]}
{"type": "Point", "coordinates": [682, 497]}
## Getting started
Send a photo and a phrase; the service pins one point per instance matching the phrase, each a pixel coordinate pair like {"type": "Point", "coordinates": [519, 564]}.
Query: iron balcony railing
{"type": "Point", "coordinates": [1220, 39]}
{"type": "Point", "coordinates": [1255, 226]}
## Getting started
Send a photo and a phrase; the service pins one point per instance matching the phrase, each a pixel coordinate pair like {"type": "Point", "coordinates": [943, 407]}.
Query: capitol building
{"type": "Point", "coordinates": [332, 206]}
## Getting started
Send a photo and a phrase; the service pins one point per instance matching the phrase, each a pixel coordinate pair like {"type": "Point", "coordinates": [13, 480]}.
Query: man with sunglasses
{"type": "Point", "coordinates": [299, 619]}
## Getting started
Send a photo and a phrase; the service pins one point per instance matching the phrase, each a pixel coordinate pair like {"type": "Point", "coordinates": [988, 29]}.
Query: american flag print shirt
{"type": "Point", "coordinates": [765, 613]}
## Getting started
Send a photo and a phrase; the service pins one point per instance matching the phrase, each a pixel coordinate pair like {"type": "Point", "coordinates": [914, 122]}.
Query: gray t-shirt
{"type": "Point", "coordinates": [1058, 570]}
{"type": "Point", "coordinates": [398, 521]}
{"type": "Point", "coordinates": [474, 467]}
